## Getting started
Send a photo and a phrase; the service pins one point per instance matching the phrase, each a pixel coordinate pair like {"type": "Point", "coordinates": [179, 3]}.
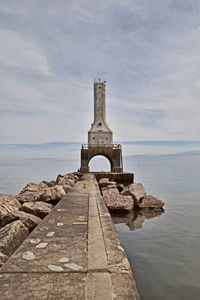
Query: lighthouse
{"type": "Point", "coordinates": [100, 134]}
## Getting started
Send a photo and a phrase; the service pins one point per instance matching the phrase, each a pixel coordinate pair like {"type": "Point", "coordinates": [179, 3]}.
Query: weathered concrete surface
{"type": "Point", "coordinates": [74, 253]}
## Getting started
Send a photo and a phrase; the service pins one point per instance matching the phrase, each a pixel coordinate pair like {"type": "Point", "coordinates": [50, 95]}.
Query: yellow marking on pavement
{"type": "Point", "coordinates": [79, 223]}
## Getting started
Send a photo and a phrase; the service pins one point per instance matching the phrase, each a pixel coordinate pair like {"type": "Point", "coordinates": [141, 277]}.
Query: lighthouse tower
{"type": "Point", "coordinates": [100, 134]}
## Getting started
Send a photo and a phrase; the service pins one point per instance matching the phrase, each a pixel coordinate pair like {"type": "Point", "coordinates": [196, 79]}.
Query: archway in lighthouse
{"type": "Point", "coordinates": [99, 163]}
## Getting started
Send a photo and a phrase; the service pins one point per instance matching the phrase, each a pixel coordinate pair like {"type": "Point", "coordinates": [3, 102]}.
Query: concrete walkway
{"type": "Point", "coordinates": [74, 253]}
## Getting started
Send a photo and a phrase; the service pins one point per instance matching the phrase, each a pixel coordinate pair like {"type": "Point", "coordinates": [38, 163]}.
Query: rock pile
{"type": "Point", "coordinates": [118, 197]}
{"type": "Point", "coordinates": [20, 214]}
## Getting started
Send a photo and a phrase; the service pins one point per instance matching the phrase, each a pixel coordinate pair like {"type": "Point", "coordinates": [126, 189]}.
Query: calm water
{"type": "Point", "coordinates": [163, 248]}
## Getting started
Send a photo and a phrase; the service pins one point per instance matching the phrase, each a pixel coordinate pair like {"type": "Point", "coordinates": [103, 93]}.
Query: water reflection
{"type": "Point", "coordinates": [135, 218]}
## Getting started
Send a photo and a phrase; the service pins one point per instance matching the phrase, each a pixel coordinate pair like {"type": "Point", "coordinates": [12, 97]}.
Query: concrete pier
{"type": "Point", "coordinates": [74, 253]}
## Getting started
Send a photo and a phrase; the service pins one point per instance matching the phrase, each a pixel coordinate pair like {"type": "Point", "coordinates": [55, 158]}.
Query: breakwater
{"type": "Point", "coordinates": [74, 253]}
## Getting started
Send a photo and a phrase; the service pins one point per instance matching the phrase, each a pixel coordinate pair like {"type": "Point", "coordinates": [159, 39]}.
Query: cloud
{"type": "Point", "coordinates": [22, 52]}
{"type": "Point", "coordinates": [148, 51]}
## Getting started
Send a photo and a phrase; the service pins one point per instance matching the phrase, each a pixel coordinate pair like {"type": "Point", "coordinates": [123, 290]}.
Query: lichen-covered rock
{"type": "Point", "coordinates": [29, 196]}
{"type": "Point", "coordinates": [3, 259]}
{"type": "Point", "coordinates": [66, 188]}
{"type": "Point", "coordinates": [54, 193]}
{"type": "Point", "coordinates": [104, 182]}
{"type": "Point", "coordinates": [8, 203]}
{"type": "Point", "coordinates": [76, 178]}
{"type": "Point", "coordinates": [108, 188]}
{"type": "Point", "coordinates": [67, 179]}
{"type": "Point", "coordinates": [29, 220]}
{"type": "Point", "coordinates": [136, 190]}
{"type": "Point", "coordinates": [34, 187]}
{"type": "Point", "coordinates": [118, 202]}
{"type": "Point", "coordinates": [151, 202]}
{"type": "Point", "coordinates": [11, 236]}
{"type": "Point", "coordinates": [113, 192]}
{"type": "Point", "coordinates": [39, 209]}
{"type": "Point", "coordinates": [49, 183]}
{"type": "Point", "coordinates": [72, 176]}
{"type": "Point", "coordinates": [59, 177]}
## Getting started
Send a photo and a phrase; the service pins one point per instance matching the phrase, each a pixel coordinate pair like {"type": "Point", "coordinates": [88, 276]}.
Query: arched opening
{"type": "Point", "coordinates": [99, 163]}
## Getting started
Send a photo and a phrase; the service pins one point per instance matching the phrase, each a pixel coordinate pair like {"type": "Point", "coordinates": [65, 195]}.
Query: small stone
{"type": "Point", "coordinates": [64, 260]}
{"type": "Point", "coordinates": [61, 209]}
{"type": "Point", "coordinates": [55, 268]}
{"type": "Point", "coordinates": [44, 228]}
{"type": "Point", "coordinates": [41, 245]}
{"type": "Point", "coordinates": [3, 259]}
{"type": "Point", "coordinates": [60, 224]}
{"type": "Point", "coordinates": [73, 266]}
{"type": "Point", "coordinates": [81, 218]}
{"type": "Point", "coordinates": [105, 215]}
{"type": "Point", "coordinates": [51, 233]}
{"type": "Point", "coordinates": [35, 241]}
{"type": "Point", "coordinates": [28, 255]}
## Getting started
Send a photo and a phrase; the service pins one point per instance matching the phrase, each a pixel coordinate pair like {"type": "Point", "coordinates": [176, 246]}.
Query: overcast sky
{"type": "Point", "coordinates": [148, 51]}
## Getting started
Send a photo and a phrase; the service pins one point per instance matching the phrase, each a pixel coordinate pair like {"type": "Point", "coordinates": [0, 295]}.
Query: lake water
{"type": "Point", "coordinates": [163, 248]}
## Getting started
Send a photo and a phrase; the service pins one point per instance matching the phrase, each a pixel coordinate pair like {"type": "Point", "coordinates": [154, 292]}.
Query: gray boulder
{"type": "Point", "coordinates": [8, 203]}
{"type": "Point", "coordinates": [65, 181]}
{"type": "Point", "coordinates": [11, 236]}
{"type": "Point", "coordinates": [118, 202]}
{"type": "Point", "coordinates": [32, 192]}
{"type": "Point", "coordinates": [29, 220]}
{"type": "Point", "coordinates": [34, 187]}
{"type": "Point", "coordinates": [52, 194]}
{"type": "Point", "coordinates": [39, 209]}
{"type": "Point", "coordinates": [49, 183]}
{"type": "Point", "coordinates": [66, 188]}
{"type": "Point", "coordinates": [151, 202]}
{"type": "Point", "coordinates": [72, 176]}
{"type": "Point", "coordinates": [104, 182]}
{"type": "Point", "coordinates": [29, 196]}
{"type": "Point", "coordinates": [69, 179]}
{"type": "Point", "coordinates": [59, 177]}
{"type": "Point", "coordinates": [136, 190]}
{"type": "Point", "coordinates": [108, 188]}
{"type": "Point", "coordinates": [112, 192]}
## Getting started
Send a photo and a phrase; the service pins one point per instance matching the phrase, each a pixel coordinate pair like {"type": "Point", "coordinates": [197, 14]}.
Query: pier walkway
{"type": "Point", "coordinates": [74, 253]}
